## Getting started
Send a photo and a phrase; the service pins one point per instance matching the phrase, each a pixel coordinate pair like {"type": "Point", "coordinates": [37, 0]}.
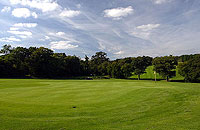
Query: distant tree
{"type": "Point", "coordinates": [7, 49]}
{"type": "Point", "coordinates": [86, 67]}
{"type": "Point", "coordinates": [165, 66]}
{"type": "Point", "coordinates": [19, 57]}
{"type": "Point", "coordinates": [6, 67]}
{"type": "Point", "coordinates": [140, 64]}
{"type": "Point", "coordinates": [41, 63]}
{"type": "Point", "coordinates": [120, 69]}
{"type": "Point", "coordinates": [72, 66]}
{"type": "Point", "coordinates": [59, 64]}
{"type": "Point", "coordinates": [96, 61]}
{"type": "Point", "coordinates": [116, 70]}
{"type": "Point", "coordinates": [126, 70]}
{"type": "Point", "coordinates": [190, 69]}
{"type": "Point", "coordinates": [103, 68]}
{"type": "Point", "coordinates": [184, 58]}
{"type": "Point", "coordinates": [99, 57]}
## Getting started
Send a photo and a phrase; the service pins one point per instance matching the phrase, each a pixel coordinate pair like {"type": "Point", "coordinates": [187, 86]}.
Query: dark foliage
{"type": "Point", "coordinates": [165, 66]}
{"type": "Point", "coordinates": [42, 62]}
{"type": "Point", "coordinates": [140, 64]}
{"type": "Point", "coordinates": [190, 69]}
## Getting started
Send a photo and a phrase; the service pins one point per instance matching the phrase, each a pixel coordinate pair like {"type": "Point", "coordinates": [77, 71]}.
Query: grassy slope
{"type": "Point", "coordinates": [150, 75]}
{"type": "Point", "coordinates": [100, 104]}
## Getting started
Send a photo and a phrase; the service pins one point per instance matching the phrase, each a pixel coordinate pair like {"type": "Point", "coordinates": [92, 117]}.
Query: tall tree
{"type": "Point", "coordinates": [40, 63]}
{"type": "Point", "coordinates": [190, 69]}
{"type": "Point", "coordinates": [85, 64]}
{"type": "Point", "coordinates": [96, 60]}
{"type": "Point", "coordinates": [165, 66]}
{"type": "Point", "coordinates": [140, 64]}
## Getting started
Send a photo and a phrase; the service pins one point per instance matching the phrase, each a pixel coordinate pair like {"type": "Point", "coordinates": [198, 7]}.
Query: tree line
{"type": "Point", "coordinates": [42, 62]}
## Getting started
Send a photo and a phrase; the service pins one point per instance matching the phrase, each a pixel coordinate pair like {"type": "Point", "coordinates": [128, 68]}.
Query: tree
{"type": "Point", "coordinates": [116, 70]}
{"type": "Point", "coordinates": [96, 60]}
{"type": "Point", "coordinates": [20, 56]}
{"type": "Point", "coordinates": [140, 64]}
{"type": "Point", "coordinates": [72, 66]}
{"type": "Point", "coordinates": [59, 64]}
{"type": "Point", "coordinates": [6, 67]}
{"type": "Point", "coordinates": [120, 69]}
{"type": "Point", "coordinates": [41, 63]}
{"type": "Point", "coordinates": [85, 65]}
{"type": "Point", "coordinates": [190, 69]}
{"type": "Point", "coordinates": [99, 57]}
{"type": "Point", "coordinates": [126, 70]}
{"type": "Point", "coordinates": [165, 66]}
{"type": "Point", "coordinates": [7, 49]}
{"type": "Point", "coordinates": [103, 68]}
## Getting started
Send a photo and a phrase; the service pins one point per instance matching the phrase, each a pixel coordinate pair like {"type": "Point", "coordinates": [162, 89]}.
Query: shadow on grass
{"type": "Point", "coordinates": [183, 81]}
{"type": "Point", "coordinates": [145, 79]}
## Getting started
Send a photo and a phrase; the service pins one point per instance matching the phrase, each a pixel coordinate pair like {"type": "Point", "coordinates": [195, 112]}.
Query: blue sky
{"type": "Point", "coordinates": [121, 28]}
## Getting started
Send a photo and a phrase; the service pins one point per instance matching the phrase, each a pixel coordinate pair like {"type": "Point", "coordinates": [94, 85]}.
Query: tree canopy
{"type": "Point", "coordinates": [44, 63]}
{"type": "Point", "coordinates": [165, 66]}
{"type": "Point", "coordinates": [190, 69]}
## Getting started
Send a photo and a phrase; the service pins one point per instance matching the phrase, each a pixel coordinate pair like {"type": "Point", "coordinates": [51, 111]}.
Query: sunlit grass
{"type": "Point", "coordinates": [29, 104]}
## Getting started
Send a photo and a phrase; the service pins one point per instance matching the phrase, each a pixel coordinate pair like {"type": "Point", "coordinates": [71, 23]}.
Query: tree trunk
{"type": "Point", "coordinates": [167, 78]}
{"type": "Point", "coordinates": [138, 77]}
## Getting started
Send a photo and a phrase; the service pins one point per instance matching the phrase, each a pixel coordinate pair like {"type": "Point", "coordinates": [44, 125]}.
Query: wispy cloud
{"type": "Point", "coordinates": [25, 33]}
{"type": "Point", "coordinates": [62, 45]}
{"type": "Point", "coordinates": [6, 9]}
{"type": "Point", "coordinates": [120, 28]}
{"type": "Point", "coordinates": [43, 5]}
{"type": "Point", "coordinates": [9, 39]}
{"type": "Point", "coordinates": [27, 25]}
{"type": "Point", "coordinates": [144, 31]}
{"type": "Point", "coordinates": [60, 33]}
{"type": "Point", "coordinates": [69, 13]}
{"type": "Point", "coordinates": [160, 1]}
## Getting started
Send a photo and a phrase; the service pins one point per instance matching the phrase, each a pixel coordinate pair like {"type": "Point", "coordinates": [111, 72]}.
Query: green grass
{"type": "Point", "coordinates": [150, 75]}
{"type": "Point", "coordinates": [30, 104]}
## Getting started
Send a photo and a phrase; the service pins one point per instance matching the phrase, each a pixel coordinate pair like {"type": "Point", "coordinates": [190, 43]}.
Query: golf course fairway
{"type": "Point", "coordinates": [40, 104]}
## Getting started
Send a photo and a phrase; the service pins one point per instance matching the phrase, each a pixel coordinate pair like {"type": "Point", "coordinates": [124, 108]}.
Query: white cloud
{"type": "Point", "coordinates": [27, 25]}
{"type": "Point", "coordinates": [22, 36]}
{"type": "Point", "coordinates": [119, 53]}
{"type": "Point", "coordinates": [148, 27]}
{"type": "Point", "coordinates": [14, 28]}
{"type": "Point", "coordinates": [118, 13]}
{"type": "Point", "coordinates": [6, 9]}
{"type": "Point", "coordinates": [62, 45]}
{"type": "Point", "coordinates": [9, 39]}
{"type": "Point", "coordinates": [160, 1]}
{"type": "Point", "coordinates": [47, 37]}
{"type": "Point", "coordinates": [24, 33]}
{"type": "Point", "coordinates": [43, 5]}
{"type": "Point", "coordinates": [60, 33]}
{"type": "Point", "coordinates": [34, 15]}
{"type": "Point", "coordinates": [64, 36]}
{"type": "Point", "coordinates": [144, 31]}
{"type": "Point", "coordinates": [69, 13]}
{"type": "Point", "coordinates": [23, 13]}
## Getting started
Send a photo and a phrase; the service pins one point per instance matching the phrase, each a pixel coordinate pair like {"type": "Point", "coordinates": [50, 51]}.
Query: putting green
{"type": "Point", "coordinates": [30, 104]}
